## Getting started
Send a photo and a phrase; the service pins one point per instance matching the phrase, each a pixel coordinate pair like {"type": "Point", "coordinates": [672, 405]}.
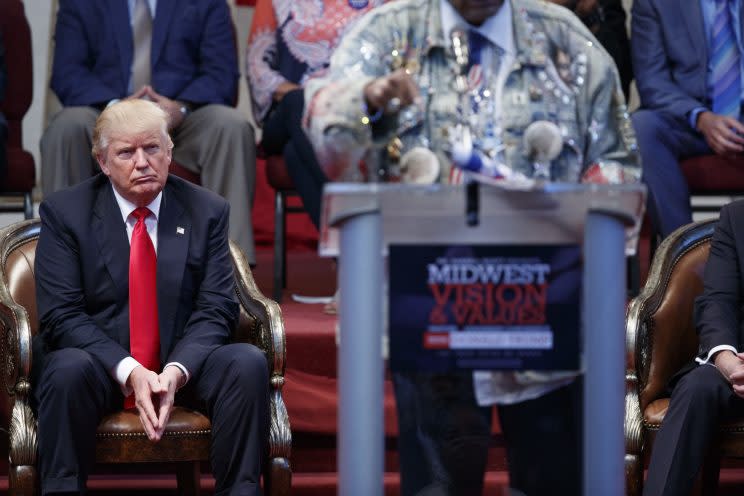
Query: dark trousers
{"type": "Point", "coordinates": [75, 392]}
{"type": "Point", "coordinates": [283, 134]}
{"type": "Point", "coordinates": [700, 400]}
{"type": "Point", "coordinates": [444, 438]}
{"type": "Point", "coordinates": [662, 142]}
{"type": "Point", "coordinates": [3, 149]}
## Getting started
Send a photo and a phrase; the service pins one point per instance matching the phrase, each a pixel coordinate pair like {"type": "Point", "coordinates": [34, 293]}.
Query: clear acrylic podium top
{"type": "Point", "coordinates": [549, 213]}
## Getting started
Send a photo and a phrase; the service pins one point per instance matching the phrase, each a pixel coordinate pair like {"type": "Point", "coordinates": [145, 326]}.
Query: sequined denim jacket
{"type": "Point", "coordinates": [560, 74]}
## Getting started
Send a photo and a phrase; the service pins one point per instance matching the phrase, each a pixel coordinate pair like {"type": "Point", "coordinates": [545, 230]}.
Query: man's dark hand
{"type": "Point", "coordinates": [396, 85]}
{"type": "Point", "coordinates": [171, 107]}
{"type": "Point", "coordinates": [145, 383]}
{"type": "Point", "coordinates": [723, 134]}
{"type": "Point", "coordinates": [283, 89]}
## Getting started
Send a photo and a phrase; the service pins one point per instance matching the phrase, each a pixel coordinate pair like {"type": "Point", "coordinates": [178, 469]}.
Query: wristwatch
{"type": "Point", "coordinates": [185, 109]}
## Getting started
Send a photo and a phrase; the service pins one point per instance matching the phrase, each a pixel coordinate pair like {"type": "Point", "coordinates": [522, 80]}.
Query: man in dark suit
{"type": "Point", "coordinates": [3, 122]}
{"type": "Point", "coordinates": [706, 392]}
{"type": "Point", "coordinates": [179, 53]}
{"type": "Point", "coordinates": [677, 65]}
{"type": "Point", "coordinates": [114, 329]}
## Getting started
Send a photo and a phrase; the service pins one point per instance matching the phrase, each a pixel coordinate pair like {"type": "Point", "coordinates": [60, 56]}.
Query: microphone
{"type": "Point", "coordinates": [419, 165]}
{"type": "Point", "coordinates": [543, 142]}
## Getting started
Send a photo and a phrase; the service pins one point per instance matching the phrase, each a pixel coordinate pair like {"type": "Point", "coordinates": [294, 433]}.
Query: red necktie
{"type": "Point", "coordinates": [144, 334]}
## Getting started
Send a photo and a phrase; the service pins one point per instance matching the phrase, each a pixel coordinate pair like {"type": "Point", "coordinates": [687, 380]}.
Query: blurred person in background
{"type": "Point", "coordinates": [182, 55]}
{"type": "Point", "coordinates": [3, 122]}
{"type": "Point", "coordinates": [292, 41]}
{"type": "Point", "coordinates": [606, 20]}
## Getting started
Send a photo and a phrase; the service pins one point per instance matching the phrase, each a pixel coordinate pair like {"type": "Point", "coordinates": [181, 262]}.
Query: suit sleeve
{"type": "Point", "coordinates": [215, 311]}
{"type": "Point", "coordinates": [217, 74]}
{"type": "Point", "coordinates": [3, 70]}
{"type": "Point", "coordinates": [73, 80]}
{"type": "Point", "coordinates": [651, 64]}
{"type": "Point", "coordinates": [64, 321]}
{"type": "Point", "coordinates": [717, 309]}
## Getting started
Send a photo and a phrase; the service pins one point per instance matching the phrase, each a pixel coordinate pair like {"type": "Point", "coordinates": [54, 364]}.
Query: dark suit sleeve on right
{"type": "Point", "coordinates": [64, 322]}
{"type": "Point", "coordinates": [717, 309]}
{"type": "Point", "coordinates": [651, 65]}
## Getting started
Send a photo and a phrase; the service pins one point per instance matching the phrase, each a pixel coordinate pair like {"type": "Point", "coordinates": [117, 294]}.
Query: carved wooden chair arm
{"type": "Point", "coordinates": [270, 338]}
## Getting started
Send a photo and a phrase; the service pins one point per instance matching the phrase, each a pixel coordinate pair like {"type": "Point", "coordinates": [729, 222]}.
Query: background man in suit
{"type": "Point", "coordinates": [3, 122]}
{"type": "Point", "coordinates": [104, 333]}
{"type": "Point", "coordinates": [689, 80]}
{"type": "Point", "coordinates": [179, 53]}
{"type": "Point", "coordinates": [709, 391]}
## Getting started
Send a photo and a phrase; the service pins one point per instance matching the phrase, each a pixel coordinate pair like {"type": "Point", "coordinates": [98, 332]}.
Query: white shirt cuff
{"type": "Point", "coordinates": [713, 351]}
{"type": "Point", "coordinates": [121, 373]}
{"type": "Point", "coordinates": [183, 369]}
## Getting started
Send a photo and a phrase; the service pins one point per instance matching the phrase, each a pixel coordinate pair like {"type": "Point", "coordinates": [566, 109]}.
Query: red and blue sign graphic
{"type": "Point", "coordinates": [485, 307]}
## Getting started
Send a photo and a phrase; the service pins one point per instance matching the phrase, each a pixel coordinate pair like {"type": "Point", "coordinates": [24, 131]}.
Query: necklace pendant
{"type": "Point", "coordinates": [358, 4]}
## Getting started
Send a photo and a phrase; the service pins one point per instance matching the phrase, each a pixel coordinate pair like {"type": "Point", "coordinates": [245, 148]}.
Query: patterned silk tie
{"type": "Point", "coordinates": [726, 77]}
{"type": "Point", "coordinates": [142, 37]}
{"type": "Point", "coordinates": [144, 334]}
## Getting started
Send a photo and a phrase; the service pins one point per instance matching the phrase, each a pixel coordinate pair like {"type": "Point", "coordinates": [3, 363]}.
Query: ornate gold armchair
{"type": "Point", "coordinates": [120, 437]}
{"type": "Point", "coordinates": [660, 339]}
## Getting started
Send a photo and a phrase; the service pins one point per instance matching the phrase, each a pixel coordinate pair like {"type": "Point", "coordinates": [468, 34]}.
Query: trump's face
{"type": "Point", "coordinates": [476, 12]}
{"type": "Point", "coordinates": [137, 164]}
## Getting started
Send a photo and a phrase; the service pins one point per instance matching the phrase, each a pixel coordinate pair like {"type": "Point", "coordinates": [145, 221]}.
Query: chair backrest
{"type": "Point", "coordinates": [16, 34]}
{"type": "Point", "coordinates": [661, 336]}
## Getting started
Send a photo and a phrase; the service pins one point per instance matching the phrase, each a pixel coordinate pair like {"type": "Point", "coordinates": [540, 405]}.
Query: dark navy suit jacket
{"type": "Point", "coordinates": [670, 55]}
{"type": "Point", "coordinates": [719, 311]}
{"type": "Point", "coordinates": [193, 56]}
{"type": "Point", "coordinates": [82, 274]}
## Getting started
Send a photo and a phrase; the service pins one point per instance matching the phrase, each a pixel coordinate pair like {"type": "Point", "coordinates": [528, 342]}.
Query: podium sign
{"type": "Point", "coordinates": [483, 307]}
{"type": "Point", "coordinates": [362, 223]}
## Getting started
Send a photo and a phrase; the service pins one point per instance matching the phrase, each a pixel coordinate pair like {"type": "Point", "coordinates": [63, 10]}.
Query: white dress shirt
{"type": "Point", "coordinates": [125, 366]}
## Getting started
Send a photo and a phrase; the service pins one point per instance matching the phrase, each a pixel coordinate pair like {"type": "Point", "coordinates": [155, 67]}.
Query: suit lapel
{"type": "Point", "coordinates": [111, 235]}
{"type": "Point", "coordinates": [693, 14]}
{"type": "Point", "coordinates": [123, 34]}
{"type": "Point", "coordinates": [160, 28]}
{"type": "Point", "coordinates": [174, 229]}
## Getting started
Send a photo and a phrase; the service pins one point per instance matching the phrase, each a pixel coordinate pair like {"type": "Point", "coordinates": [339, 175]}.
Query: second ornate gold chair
{"type": "Point", "coordinates": [660, 339]}
{"type": "Point", "coordinates": [120, 437]}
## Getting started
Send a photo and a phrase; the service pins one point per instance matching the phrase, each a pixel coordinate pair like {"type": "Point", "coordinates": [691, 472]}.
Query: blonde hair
{"type": "Point", "coordinates": [131, 116]}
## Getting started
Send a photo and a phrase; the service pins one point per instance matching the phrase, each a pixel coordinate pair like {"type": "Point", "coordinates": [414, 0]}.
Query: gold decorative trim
{"type": "Point", "coordinates": [22, 435]}
{"type": "Point", "coordinates": [107, 435]}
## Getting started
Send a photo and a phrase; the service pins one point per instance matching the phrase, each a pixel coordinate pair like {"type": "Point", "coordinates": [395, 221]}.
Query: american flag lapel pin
{"type": "Point", "coordinates": [180, 230]}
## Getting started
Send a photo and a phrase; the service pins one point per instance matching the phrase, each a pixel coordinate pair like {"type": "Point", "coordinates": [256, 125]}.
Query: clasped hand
{"type": "Point", "coordinates": [147, 385]}
{"type": "Point", "coordinates": [731, 365]}
{"type": "Point", "coordinates": [171, 107]}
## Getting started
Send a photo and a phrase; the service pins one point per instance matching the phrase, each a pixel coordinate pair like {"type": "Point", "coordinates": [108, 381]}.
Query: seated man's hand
{"type": "Point", "coordinates": [171, 107]}
{"type": "Point", "coordinates": [140, 93]}
{"type": "Point", "coordinates": [169, 378]}
{"type": "Point", "coordinates": [731, 365]}
{"type": "Point", "coordinates": [145, 384]}
{"type": "Point", "coordinates": [397, 87]}
{"type": "Point", "coordinates": [723, 134]}
{"type": "Point", "coordinates": [283, 89]}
